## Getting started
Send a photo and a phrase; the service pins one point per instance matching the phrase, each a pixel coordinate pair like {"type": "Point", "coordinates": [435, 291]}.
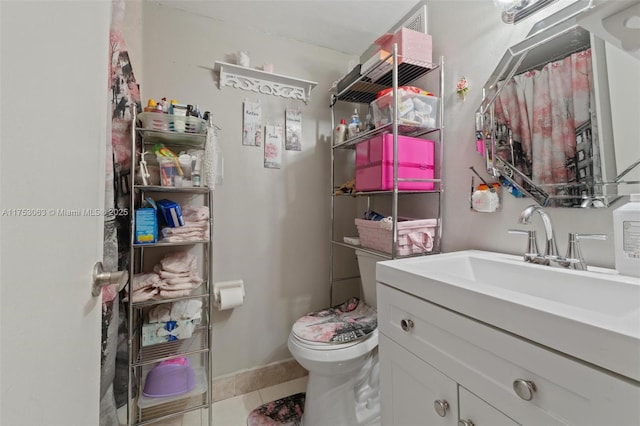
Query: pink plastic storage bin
{"type": "Point", "coordinates": [414, 236]}
{"type": "Point", "coordinates": [374, 163]}
{"type": "Point", "coordinates": [414, 47]}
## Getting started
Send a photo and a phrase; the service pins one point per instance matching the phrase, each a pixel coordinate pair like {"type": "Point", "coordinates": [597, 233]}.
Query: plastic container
{"type": "Point", "coordinates": [414, 47]}
{"type": "Point", "coordinates": [414, 109]}
{"type": "Point", "coordinates": [626, 235]}
{"type": "Point", "coordinates": [485, 201]}
{"type": "Point", "coordinates": [169, 378]}
{"type": "Point", "coordinates": [340, 134]}
{"type": "Point", "coordinates": [374, 163]}
{"type": "Point", "coordinates": [167, 122]}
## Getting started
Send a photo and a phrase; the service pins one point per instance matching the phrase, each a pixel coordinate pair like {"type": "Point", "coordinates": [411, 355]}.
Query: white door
{"type": "Point", "coordinates": [53, 132]}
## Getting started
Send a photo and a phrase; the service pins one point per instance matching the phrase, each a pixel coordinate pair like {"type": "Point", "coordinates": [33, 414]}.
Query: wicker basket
{"type": "Point", "coordinates": [414, 236]}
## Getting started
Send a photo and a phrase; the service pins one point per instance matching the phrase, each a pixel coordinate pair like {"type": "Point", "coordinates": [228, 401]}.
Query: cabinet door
{"type": "Point", "coordinates": [412, 391]}
{"type": "Point", "coordinates": [477, 412]}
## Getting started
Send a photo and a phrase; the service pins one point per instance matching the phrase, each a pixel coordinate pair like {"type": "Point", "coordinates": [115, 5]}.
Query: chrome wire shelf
{"type": "Point", "coordinates": [176, 189]}
{"type": "Point", "coordinates": [390, 191]}
{"type": "Point", "coordinates": [364, 89]}
{"type": "Point", "coordinates": [168, 137]}
{"type": "Point", "coordinates": [152, 354]}
{"type": "Point", "coordinates": [382, 253]}
{"type": "Point", "coordinates": [169, 410]}
{"type": "Point", "coordinates": [197, 294]}
{"type": "Point", "coordinates": [171, 244]}
{"type": "Point", "coordinates": [404, 130]}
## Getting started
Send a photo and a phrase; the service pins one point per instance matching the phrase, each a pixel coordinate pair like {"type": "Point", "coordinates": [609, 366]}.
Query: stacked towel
{"type": "Point", "coordinates": [175, 276]}
{"type": "Point", "coordinates": [196, 226]}
{"type": "Point", "coordinates": [143, 287]}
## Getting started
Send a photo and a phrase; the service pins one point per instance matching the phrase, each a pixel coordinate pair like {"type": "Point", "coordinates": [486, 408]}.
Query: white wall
{"type": "Point", "coordinates": [473, 38]}
{"type": "Point", "coordinates": [271, 227]}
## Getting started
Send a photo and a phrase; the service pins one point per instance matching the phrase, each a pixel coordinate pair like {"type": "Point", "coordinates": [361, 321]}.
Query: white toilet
{"type": "Point", "coordinates": [339, 348]}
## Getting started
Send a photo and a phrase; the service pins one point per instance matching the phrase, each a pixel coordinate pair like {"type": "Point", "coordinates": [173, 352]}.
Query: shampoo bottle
{"type": "Point", "coordinates": [626, 236]}
{"type": "Point", "coordinates": [341, 132]}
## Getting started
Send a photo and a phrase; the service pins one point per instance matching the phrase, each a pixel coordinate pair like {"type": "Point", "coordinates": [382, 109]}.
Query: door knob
{"type": "Point", "coordinates": [441, 406]}
{"type": "Point", "coordinates": [465, 423]}
{"type": "Point", "coordinates": [406, 324]}
{"type": "Point", "coordinates": [102, 279]}
{"type": "Point", "coordinates": [524, 389]}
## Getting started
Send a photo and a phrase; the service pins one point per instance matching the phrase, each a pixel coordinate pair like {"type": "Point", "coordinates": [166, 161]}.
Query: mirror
{"type": "Point", "coordinates": [551, 122]}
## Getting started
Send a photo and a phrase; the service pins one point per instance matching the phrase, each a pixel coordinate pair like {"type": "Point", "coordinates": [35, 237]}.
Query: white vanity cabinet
{"type": "Point", "coordinates": [414, 392]}
{"type": "Point", "coordinates": [429, 353]}
{"type": "Point", "coordinates": [475, 411]}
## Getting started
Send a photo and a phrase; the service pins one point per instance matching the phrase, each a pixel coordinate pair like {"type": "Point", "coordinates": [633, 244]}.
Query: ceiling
{"type": "Point", "coordinates": [348, 26]}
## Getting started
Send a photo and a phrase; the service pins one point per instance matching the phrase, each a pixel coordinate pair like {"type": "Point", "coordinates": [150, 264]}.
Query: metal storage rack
{"type": "Point", "coordinates": [363, 91]}
{"type": "Point", "coordinates": [142, 410]}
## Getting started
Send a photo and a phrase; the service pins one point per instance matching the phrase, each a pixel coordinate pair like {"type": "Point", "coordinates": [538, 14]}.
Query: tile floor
{"type": "Point", "coordinates": [233, 411]}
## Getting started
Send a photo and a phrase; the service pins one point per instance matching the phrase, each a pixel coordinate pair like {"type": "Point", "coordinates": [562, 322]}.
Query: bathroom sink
{"type": "Point", "coordinates": [592, 315]}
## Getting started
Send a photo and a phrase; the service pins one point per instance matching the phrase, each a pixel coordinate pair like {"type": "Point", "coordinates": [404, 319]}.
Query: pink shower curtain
{"type": "Point", "coordinates": [123, 92]}
{"type": "Point", "coordinates": [543, 109]}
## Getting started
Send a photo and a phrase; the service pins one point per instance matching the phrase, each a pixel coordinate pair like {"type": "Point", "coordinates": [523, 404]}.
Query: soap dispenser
{"type": "Point", "coordinates": [626, 236]}
{"type": "Point", "coordinates": [354, 127]}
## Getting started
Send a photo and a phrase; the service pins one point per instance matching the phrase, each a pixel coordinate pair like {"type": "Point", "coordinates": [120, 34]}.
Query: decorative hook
{"type": "Point", "coordinates": [462, 87]}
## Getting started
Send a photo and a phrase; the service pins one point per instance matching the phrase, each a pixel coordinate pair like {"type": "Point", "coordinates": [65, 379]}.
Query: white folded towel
{"type": "Point", "coordinates": [186, 309]}
{"type": "Point", "coordinates": [160, 313]}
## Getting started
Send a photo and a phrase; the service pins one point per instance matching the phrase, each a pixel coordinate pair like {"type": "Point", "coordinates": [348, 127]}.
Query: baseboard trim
{"type": "Point", "coordinates": [250, 380]}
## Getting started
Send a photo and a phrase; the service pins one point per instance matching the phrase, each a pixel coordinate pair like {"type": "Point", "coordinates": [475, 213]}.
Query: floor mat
{"type": "Point", "coordinates": [285, 411]}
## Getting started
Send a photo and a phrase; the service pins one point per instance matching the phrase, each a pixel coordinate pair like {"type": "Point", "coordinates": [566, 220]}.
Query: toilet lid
{"type": "Point", "coordinates": [349, 321]}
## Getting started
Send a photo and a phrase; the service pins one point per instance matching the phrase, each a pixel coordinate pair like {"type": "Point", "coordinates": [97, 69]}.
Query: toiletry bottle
{"type": "Point", "coordinates": [340, 132]}
{"type": "Point", "coordinates": [354, 127]}
{"type": "Point", "coordinates": [368, 123]}
{"type": "Point", "coordinates": [195, 174]}
{"type": "Point", "coordinates": [626, 236]}
{"type": "Point", "coordinates": [484, 200]}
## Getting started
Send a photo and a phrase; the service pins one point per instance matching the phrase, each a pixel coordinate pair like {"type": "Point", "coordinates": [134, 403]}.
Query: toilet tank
{"type": "Point", "coordinates": [367, 266]}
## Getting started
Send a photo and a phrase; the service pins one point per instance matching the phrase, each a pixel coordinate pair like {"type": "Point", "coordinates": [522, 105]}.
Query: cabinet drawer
{"type": "Point", "coordinates": [479, 413]}
{"type": "Point", "coordinates": [487, 361]}
{"type": "Point", "coordinates": [412, 391]}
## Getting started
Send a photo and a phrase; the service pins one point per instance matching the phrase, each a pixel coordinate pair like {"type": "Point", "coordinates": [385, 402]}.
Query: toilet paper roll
{"type": "Point", "coordinates": [230, 298]}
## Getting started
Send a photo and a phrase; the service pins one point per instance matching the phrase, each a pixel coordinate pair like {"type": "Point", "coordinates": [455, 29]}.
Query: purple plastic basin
{"type": "Point", "coordinates": [170, 378]}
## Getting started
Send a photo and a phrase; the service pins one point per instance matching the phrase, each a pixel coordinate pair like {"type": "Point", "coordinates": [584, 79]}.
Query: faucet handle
{"type": "Point", "coordinates": [574, 254]}
{"type": "Point", "coordinates": [531, 251]}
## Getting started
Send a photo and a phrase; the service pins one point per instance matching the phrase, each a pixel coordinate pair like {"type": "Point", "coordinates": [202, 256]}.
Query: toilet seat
{"type": "Point", "coordinates": [341, 326]}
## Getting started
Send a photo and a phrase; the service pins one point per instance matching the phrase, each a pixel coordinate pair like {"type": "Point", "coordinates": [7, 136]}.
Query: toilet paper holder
{"type": "Point", "coordinates": [219, 286]}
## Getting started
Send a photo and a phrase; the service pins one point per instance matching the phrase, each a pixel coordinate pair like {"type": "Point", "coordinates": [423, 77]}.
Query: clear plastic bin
{"type": "Point", "coordinates": [414, 109]}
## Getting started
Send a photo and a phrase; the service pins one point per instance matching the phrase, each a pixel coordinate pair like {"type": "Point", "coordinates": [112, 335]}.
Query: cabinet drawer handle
{"type": "Point", "coordinates": [441, 406]}
{"type": "Point", "coordinates": [465, 423]}
{"type": "Point", "coordinates": [406, 324]}
{"type": "Point", "coordinates": [524, 389]}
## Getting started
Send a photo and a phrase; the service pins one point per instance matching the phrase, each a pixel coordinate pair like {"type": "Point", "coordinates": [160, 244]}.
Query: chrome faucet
{"type": "Point", "coordinates": [573, 258]}
{"type": "Point", "coordinates": [550, 248]}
